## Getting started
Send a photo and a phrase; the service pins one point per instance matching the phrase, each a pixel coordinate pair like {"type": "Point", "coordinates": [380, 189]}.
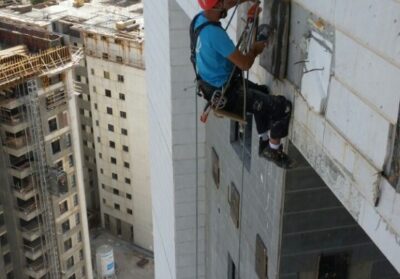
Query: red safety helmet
{"type": "Point", "coordinates": [207, 4]}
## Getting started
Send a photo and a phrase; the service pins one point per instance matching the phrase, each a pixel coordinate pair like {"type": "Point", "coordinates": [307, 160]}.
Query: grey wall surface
{"type": "Point", "coordinates": [261, 197]}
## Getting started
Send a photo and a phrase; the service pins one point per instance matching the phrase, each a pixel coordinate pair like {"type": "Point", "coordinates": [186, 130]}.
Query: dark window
{"type": "Point", "coordinates": [234, 203]}
{"type": "Point", "coordinates": [97, 123]}
{"type": "Point", "coordinates": [125, 148]}
{"type": "Point", "coordinates": [110, 128]}
{"type": "Point", "coordinates": [94, 89]}
{"type": "Point", "coordinates": [103, 186]}
{"type": "Point", "coordinates": [76, 201]}
{"type": "Point", "coordinates": [71, 160]}
{"type": "Point", "coordinates": [126, 165]}
{"type": "Point", "coordinates": [100, 155]}
{"type": "Point", "coordinates": [124, 131]}
{"type": "Point", "coordinates": [55, 146]}
{"type": "Point", "coordinates": [53, 125]}
{"type": "Point", "coordinates": [119, 227]}
{"type": "Point", "coordinates": [98, 139]}
{"type": "Point", "coordinates": [108, 93]}
{"type": "Point", "coordinates": [333, 266]}
{"type": "Point", "coordinates": [77, 219]}
{"type": "Point", "coordinates": [67, 244]}
{"type": "Point", "coordinates": [92, 71]}
{"type": "Point", "coordinates": [70, 263]}
{"type": "Point", "coordinates": [101, 171]}
{"type": "Point", "coordinates": [105, 55]}
{"type": "Point", "coordinates": [261, 263]}
{"type": "Point", "coordinates": [215, 167]}
{"type": "Point", "coordinates": [119, 59]}
{"type": "Point", "coordinates": [129, 211]}
{"type": "Point", "coordinates": [114, 176]}
{"type": "Point", "coordinates": [127, 180]}
{"type": "Point", "coordinates": [106, 75]}
{"type": "Point", "coordinates": [231, 268]}
{"type": "Point", "coordinates": [113, 160]}
{"type": "Point", "coordinates": [120, 78]}
{"type": "Point", "coordinates": [122, 114]}
{"type": "Point", "coordinates": [95, 105]}
{"type": "Point", "coordinates": [106, 221]}
{"type": "Point", "coordinates": [122, 96]}
{"type": "Point", "coordinates": [63, 207]}
{"type": "Point", "coordinates": [109, 110]}
{"type": "Point", "coordinates": [117, 206]}
{"type": "Point", "coordinates": [241, 136]}
{"type": "Point", "coordinates": [128, 196]}
{"type": "Point", "coordinates": [274, 58]}
{"type": "Point", "coordinates": [111, 144]}
{"type": "Point", "coordinates": [116, 192]}
{"type": "Point", "coordinates": [65, 226]}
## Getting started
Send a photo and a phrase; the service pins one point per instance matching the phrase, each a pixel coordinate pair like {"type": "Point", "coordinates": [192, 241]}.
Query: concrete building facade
{"type": "Point", "coordinates": [43, 197]}
{"type": "Point", "coordinates": [335, 214]}
{"type": "Point", "coordinates": [112, 106]}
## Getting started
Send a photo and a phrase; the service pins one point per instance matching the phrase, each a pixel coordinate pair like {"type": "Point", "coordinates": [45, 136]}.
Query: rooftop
{"type": "Point", "coordinates": [99, 16]}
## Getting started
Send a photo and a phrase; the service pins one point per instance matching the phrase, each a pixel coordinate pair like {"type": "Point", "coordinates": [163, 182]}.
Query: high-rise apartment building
{"type": "Point", "coordinates": [112, 106]}
{"type": "Point", "coordinates": [333, 216]}
{"type": "Point", "coordinates": [42, 191]}
{"type": "Point", "coordinates": [5, 256]}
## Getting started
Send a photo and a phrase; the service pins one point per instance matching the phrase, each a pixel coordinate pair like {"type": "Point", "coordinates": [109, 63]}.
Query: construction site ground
{"type": "Point", "coordinates": [126, 256]}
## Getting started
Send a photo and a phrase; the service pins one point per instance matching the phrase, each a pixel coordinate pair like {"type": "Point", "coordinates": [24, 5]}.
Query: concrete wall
{"type": "Point", "coordinates": [344, 130]}
{"type": "Point", "coordinates": [173, 141]}
{"type": "Point", "coordinates": [348, 141]}
{"type": "Point", "coordinates": [136, 124]}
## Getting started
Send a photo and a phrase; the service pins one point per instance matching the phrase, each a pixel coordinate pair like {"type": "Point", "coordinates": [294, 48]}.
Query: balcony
{"type": "Point", "coordinates": [36, 269]}
{"type": "Point", "coordinates": [5, 248]}
{"type": "Point", "coordinates": [8, 268]}
{"type": "Point", "coordinates": [28, 210]}
{"type": "Point", "coordinates": [12, 98]}
{"type": "Point", "coordinates": [17, 146]}
{"type": "Point", "coordinates": [13, 122]}
{"type": "Point", "coordinates": [3, 230]}
{"type": "Point", "coordinates": [24, 190]}
{"type": "Point", "coordinates": [20, 168]}
{"type": "Point", "coordinates": [33, 250]}
{"type": "Point", "coordinates": [56, 99]}
{"type": "Point", "coordinates": [31, 231]}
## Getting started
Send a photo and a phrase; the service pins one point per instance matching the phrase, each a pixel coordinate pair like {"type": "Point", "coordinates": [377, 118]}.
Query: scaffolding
{"type": "Point", "coordinates": [20, 68]}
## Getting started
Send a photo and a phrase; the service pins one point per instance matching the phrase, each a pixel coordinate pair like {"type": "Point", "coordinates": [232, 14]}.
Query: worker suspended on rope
{"type": "Point", "coordinates": [218, 66]}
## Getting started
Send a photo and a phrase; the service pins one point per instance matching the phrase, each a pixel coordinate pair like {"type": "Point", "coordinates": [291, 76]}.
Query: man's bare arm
{"type": "Point", "coordinates": [245, 61]}
{"type": "Point", "coordinates": [228, 4]}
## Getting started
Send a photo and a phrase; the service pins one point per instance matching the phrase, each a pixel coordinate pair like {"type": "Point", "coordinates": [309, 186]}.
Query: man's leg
{"type": "Point", "coordinates": [272, 116]}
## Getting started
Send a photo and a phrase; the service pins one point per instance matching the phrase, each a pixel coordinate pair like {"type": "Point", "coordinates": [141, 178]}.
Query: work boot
{"type": "Point", "coordinates": [277, 156]}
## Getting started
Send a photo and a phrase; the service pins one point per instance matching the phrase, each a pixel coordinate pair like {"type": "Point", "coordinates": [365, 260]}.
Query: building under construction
{"type": "Point", "coordinates": [42, 192]}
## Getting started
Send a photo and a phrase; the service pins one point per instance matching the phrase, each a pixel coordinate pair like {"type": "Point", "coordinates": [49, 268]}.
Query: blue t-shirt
{"type": "Point", "coordinates": [212, 49]}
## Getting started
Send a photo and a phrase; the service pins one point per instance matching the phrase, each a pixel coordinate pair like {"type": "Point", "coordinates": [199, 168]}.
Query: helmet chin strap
{"type": "Point", "coordinates": [222, 11]}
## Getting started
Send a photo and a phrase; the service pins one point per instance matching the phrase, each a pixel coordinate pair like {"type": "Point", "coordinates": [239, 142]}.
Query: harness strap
{"type": "Point", "coordinates": [194, 35]}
